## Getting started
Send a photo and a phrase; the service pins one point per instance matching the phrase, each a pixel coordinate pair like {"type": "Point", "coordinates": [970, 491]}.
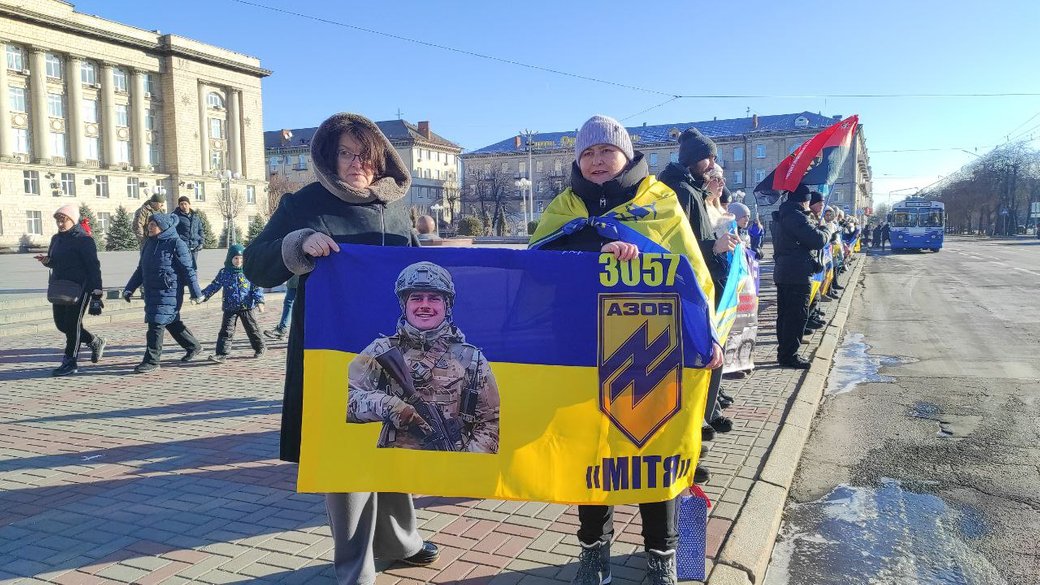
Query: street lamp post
{"type": "Point", "coordinates": [530, 155]}
{"type": "Point", "coordinates": [438, 207]}
{"type": "Point", "coordinates": [524, 184]}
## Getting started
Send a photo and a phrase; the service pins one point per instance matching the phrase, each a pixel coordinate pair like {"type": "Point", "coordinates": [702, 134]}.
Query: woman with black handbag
{"type": "Point", "coordinates": [74, 284]}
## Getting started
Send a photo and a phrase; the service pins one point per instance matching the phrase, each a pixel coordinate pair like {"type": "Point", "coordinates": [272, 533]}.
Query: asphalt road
{"type": "Point", "coordinates": [927, 471]}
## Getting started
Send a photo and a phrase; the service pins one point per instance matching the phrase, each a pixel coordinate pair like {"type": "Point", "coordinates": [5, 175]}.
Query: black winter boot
{"type": "Point", "coordinates": [593, 564]}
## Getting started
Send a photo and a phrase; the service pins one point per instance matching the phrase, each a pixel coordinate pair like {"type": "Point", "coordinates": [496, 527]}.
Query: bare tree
{"type": "Point", "coordinates": [277, 187]}
{"type": "Point", "coordinates": [492, 192]}
{"type": "Point", "coordinates": [229, 202]}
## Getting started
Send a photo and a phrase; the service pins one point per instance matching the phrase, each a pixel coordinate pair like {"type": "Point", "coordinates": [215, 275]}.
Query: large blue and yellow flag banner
{"type": "Point", "coordinates": [531, 375]}
{"type": "Point", "coordinates": [740, 343]}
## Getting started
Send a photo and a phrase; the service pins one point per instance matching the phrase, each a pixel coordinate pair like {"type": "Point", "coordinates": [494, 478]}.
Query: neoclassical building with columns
{"type": "Point", "coordinates": [107, 114]}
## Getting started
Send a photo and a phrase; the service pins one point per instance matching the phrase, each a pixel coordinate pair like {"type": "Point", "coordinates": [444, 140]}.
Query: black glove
{"type": "Point", "coordinates": [96, 304]}
{"type": "Point", "coordinates": [127, 295]}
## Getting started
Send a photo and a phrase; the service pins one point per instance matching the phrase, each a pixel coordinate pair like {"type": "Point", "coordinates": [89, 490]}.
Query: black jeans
{"type": "Point", "coordinates": [227, 330]}
{"type": "Point", "coordinates": [792, 312]}
{"type": "Point", "coordinates": [659, 531]}
{"type": "Point", "coordinates": [177, 329]}
{"type": "Point", "coordinates": [69, 320]}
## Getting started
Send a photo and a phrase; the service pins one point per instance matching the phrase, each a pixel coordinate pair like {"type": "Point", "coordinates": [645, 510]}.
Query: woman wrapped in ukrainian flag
{"type": "Point", "coordinates": [615, 206]}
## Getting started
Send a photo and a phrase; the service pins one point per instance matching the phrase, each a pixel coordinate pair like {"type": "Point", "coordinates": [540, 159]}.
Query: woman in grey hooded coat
{"type": "Point", "coordinates": [357, 199]}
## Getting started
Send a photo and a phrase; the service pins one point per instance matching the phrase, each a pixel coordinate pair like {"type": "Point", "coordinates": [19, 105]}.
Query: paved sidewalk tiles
{"type": "Point", "coordinates": [110, 477]}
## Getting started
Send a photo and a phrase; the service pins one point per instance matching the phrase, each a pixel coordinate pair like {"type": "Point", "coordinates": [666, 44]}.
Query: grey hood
{"type": "Point", "coordinates": [393, 185]}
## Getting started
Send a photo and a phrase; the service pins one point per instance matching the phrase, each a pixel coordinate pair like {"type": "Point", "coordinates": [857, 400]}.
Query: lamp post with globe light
{"type": "Point", "coordinates": [437, 207]}
{"type": "Point", "coordinates": [228, 202]}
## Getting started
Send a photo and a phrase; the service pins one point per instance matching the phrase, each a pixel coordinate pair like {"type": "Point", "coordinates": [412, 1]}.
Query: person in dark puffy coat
{"type": "Point", "coordinates": [165, 268]}
{"type": "Point", "coordinates": [240, 298]}
{"type": "Point", "coordinates": [189, 228]}
{"type": "Point", "coordinates": [358, 198]}
{"type": "Point", "coordinates": [72, 256]}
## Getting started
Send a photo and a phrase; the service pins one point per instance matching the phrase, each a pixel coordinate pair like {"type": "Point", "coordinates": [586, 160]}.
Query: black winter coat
{"type": "Point", "coordinates": [165, 269]}
{"type": "Point", "coordinates": [691, 196]}
{"type": "Point", "coordinates": [794, 239]}
{"type": "Point", "coordinates": [189, 228]}
{"type": "Point", "coordinates": [73, 256]}
{"type": "Point", "coordinates": [315, 208]}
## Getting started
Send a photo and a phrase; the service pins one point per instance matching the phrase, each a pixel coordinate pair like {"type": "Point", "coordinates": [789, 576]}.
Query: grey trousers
{"type": "Point", "coordinates": [370, 525]}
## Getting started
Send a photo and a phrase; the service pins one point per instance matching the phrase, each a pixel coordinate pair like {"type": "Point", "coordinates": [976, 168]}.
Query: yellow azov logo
{"type": "Point", "coordinates": [640, 362]}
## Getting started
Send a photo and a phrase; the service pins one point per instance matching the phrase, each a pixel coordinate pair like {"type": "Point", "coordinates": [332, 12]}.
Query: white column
{"type": "Point", "coordinates": [234, 123]}
{"type": "Point", "coordinates": [139, 107]}
{"type": "Point", "coordinates": [6, 137]}
{"type": "Point", "coordinates": [74, 111]}
{"type": "Point", "coordinates": [108, 115]}
{"type": "Point", "coordinates": [203, 130]}
{"type": "Point", "coordinates": [40, 121]}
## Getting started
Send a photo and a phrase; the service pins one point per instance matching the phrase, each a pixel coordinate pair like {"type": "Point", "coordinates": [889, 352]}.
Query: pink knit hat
{"type": "Point", "coordinates": [70, 211]}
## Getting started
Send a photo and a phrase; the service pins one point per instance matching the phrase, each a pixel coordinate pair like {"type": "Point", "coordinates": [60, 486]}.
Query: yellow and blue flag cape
{"type": "Point", "coordinates": [596, 365]}
{"type": "Point", "coordinates": [736, 280]}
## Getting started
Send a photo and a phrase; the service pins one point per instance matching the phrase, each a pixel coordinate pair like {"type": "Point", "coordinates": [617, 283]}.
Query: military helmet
{"type": "Point", "coordinates": [425, 276]}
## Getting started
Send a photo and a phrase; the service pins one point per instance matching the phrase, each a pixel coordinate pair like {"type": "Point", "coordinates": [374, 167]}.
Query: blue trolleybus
{"type": "Point", "coordinates": [917, 224]}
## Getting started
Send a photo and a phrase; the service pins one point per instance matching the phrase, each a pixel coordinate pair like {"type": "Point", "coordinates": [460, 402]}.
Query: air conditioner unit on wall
{"type": "Point", "coordinates": [189, 186]}
{"type": "Point", "coordinates": [88, 181]}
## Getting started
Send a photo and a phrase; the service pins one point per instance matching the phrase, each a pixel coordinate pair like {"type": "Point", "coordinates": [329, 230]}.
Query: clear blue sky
{"type": "Point", "coordinates": [797, 48]}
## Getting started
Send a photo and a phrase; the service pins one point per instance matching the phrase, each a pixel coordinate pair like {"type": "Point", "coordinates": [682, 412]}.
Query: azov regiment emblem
{"type": "Point", "coordinates": [640, 362]}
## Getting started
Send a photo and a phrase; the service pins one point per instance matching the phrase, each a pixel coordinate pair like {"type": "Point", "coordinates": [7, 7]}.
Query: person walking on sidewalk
{"type": "Point", "coordinates": [144, 214]}
{"type": "Point", "coordinates": [358, 198]}
{"type": "Point", "coordinates": [73, 261]}
{"type": "Point", "coordinates": [165, 269]}
{"type": "Point", "coordinates": [240, 298]}
{"type": "Point", "coordinates": [287, 304]}
{"type": "Point", "coordinates": [795, 239]}
{"type": "Point", "coordinates": [189, 228]}
{"type": "Point", "coordinates": [606, 175]}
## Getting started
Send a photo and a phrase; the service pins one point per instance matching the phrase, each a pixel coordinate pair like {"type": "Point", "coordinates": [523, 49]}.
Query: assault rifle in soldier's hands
{"type": "Point", "coordinates": [440, 434]}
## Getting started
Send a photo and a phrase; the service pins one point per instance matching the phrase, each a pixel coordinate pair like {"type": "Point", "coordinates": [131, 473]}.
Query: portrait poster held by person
{"type": "Point", "coordinates": [189, 228]}
{"type": "Point", "coordinates": [607, 177]}
{"type": "Point", "coordinates": [164, 270]}
{"type": "Point", "coordinates": [357, 199]}
{"type": "Point", "coordinates": [241, 299]}
{"type": "Point", "coordinates": [795, 241]}
{"type": "Point", "coordinates": [426, 385]}
{"type": "Point", "coordinates": [144, 213]}
{"type": "Point", "coordinates": [73, 286]}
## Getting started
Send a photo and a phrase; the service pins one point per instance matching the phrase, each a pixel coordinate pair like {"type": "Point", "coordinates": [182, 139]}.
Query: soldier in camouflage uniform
{"type": "Point", "coordinates": [448, 374]}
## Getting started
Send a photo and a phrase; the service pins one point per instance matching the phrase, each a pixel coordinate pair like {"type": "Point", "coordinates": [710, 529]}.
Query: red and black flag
{"type": "Point", "coordinates": [816, 162]}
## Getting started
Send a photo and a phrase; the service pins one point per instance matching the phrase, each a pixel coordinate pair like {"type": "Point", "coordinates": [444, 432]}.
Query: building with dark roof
{"type": "Point", "coordinates": [433, 160]}
{"type": "Point", "coordinates": [748, 149]}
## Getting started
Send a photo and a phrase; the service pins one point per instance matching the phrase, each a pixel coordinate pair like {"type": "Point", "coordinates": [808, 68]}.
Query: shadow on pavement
{"type": "Point", "coordinates": [183, 411]}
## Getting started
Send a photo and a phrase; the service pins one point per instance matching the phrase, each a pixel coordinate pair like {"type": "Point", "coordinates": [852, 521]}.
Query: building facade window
{"type": "Point", "coordinates": [92, 147]}
{"type": "Point", "coordinates": [673, 157]}
{"type": "Point", "coordinates": [794, 147]}
{"type": "Point", "coordinates": [15, 58]}
{"type": "Point", "coordinates": [505, 167]}
{"type": "Point", "coordinates": [557, 166]}
{"type": "Point", "coordinates": [34, 223]}
{"type": "Point", "coordinates": [133, 187]}
{"type": "Point", "coordinates": [738, 153]}
{"type": "Point", "coordinates": [16, 99]}
{"type": "Point", "coordinates": [119, 81]}
{"type": "Point", "coordinates": [55, 105]}
{"type": "Point", "coordinates": [31, 182]}
{"type": "Point", "coordinates": [53, 66]}
{"type": "Point", "coordinates": [760, 151]}
{"type": "Point", "coordinates": [88, 73]}
{"type": "Point", "coordinates": [759, 175]}
{"type": "Point", "coordinates": [154, 154]}
{"type": "Point", "coordinates": [522, 168]}
{"type": "Point", "coordinates": [104, 218]}
{"type": "Point", "coordinates": [151, 120]}
{"type": "Point", "coordinates": [57, 143]}
{"type": "Point", "coordinates": [21, 140]}
{"type": "Point", "coordinates": [216, 160]}
{"type": "Point", "coordinates": [302, 164]}
{"type": "Point", "coordinates": [653, 159]}
{"type": "Point", "coordinates": [90, 111]}
{"type": "Point", "coordinates": [150, 87]}
{"type": "Point", "coordinates": [250, 194]}
{"type": "Point", "coordinates": [200, 191]}
{"type": "Point", "coordinates": [216, 128]}
{"type": "Point", "coordinates": [539, 167]}
{"type": "Point", "coordinates": [215, 101]}
{"type": "Point", "coordinates": [122, 116]}
{"type": "Point", "coordinates": [68, 184]}
{"type": "Point", "coordinates": [738, 177]}
{"type": "Point", "coordinates": [122, 151]}
{"type": "Point", "coordinates": [101, 186]}
{"type": "Point", "coordinates": [273, 163]}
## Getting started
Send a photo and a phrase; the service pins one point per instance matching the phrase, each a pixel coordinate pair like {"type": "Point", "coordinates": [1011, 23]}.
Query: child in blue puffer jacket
{"type": "Point", "coordinates": [240, 298]}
